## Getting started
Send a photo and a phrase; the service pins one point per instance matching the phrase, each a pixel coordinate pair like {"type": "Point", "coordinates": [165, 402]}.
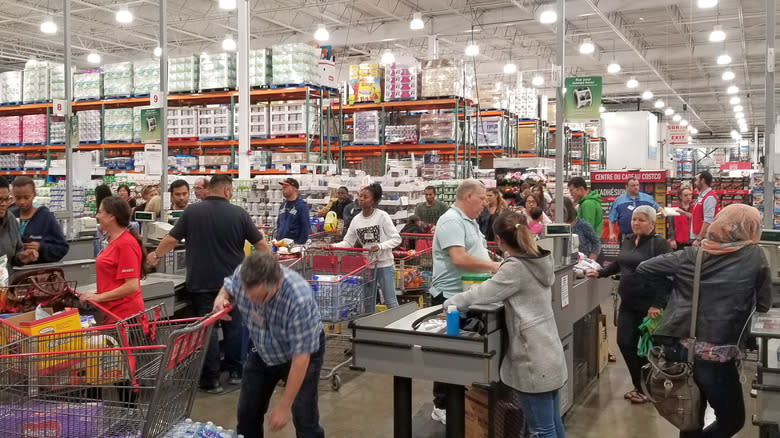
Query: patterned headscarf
{"type": "Point", "coordinates": [735, 227]}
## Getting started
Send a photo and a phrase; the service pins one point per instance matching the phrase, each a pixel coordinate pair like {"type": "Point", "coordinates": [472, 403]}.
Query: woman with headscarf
{"type": "Point", "coordinates": [735, 280]}
{"type": "Point", "coordinates": [639, 296]}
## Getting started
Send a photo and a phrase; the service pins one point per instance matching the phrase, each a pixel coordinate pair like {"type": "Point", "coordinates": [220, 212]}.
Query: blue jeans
{"type": "Point", "coordinates": [232, 342]}
{"type": "Point", "coordinates": [258, 386]}
{"type": "Point", "coordinates": [720, 388]}
{"type": "Point", "coordinates": [543, 414]}
{"type": "Point", "coordinates": [385, 279]}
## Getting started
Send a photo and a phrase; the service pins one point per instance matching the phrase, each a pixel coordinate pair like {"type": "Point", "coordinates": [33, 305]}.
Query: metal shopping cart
{"type": "Point", "coordinates": [342, 281]}
{"type": "Point", "coordinates": [413, 273]}
{"type": "Point", "coordinates": [136, 378]}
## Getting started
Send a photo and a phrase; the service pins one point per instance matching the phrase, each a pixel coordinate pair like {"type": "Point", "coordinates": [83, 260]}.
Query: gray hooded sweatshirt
{"type": "Point", "coordinates": [534, 361]}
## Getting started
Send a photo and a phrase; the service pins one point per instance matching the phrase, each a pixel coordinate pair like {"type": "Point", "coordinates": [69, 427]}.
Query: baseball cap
{"type": "Point", "coordinates": [290, 182]}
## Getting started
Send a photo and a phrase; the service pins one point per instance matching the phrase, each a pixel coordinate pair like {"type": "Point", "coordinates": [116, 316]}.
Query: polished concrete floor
{"type": "Point", "coordinates": [362, 408]}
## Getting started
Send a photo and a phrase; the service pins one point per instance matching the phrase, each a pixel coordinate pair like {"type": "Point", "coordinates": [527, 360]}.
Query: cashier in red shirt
{"type": "Point", "coordinates": [118, 267]}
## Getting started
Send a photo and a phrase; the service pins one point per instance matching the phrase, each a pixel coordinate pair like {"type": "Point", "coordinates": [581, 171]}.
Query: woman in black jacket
{"type": "Point", "coordinates": [640, 297]}
{"type": "Point", "coordinates": [735, 280]}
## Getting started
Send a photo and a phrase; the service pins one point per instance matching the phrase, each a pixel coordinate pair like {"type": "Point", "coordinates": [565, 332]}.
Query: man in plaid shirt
{"type": "Point", "coordinates": [287, 342]}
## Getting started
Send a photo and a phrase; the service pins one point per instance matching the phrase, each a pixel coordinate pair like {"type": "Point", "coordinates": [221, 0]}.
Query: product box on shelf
{"type": "Point", "coordinates": [10, 130]}
{"type": "Point", "coordinates": [118, 79]}
{"type": "Point", "coordinates": [402, 79]}
{"type": "Point", "coordinates": [88, 85]}
{"type": "Point", "coordinates": [365, 83]}
{"type": "Point", "coordinates": [289, 118]}
{"type": "Point", "coordinates": [214, 123]}
{"type": "Point", "coordinates": [259, 126]}
{"type": "Point", "coordinates": [217, 71]}
{"type": "Point", "coordinates": [89, 126]}
{"type": "Point", "coordinates": [367, 127]}
{"type": "Point", "coordinates": [57, 76]}
{"type": "Point", "coordinates": [259, 67]}
{"type": "Point", "coordinates": [11, 161]}
{"type": "Point", "coordinates": [137, 122]}
{"type": "Point", "coordinates": [401, 134]}
{"type": "Point", "coordinates": [34, 129]}
{"type": "Point", "coordinates": [488, 132]}
{"type": "Point", "coordinates": [438, 127]}
{"type": "Point", "coordinates": [327, 69]}
{"type": "Point", "coordinates": [146, 77]}
{"type": "Point", "coordinates": [446, 77]}
{"type": "Point", "coordinates": [295, 63]}
{"type": "Point", "coordinates": [56, 130]}
{"type": "Point", "coordinates": [183, 74]}
{"type": "Point", "coordinates": [37, 81]}
{"type": "Point", "coordinates": [11, 85]}
{"type": "Point", "coordinates": [183, 122]}
{"type": "Point", "coordinates": [118, 124]}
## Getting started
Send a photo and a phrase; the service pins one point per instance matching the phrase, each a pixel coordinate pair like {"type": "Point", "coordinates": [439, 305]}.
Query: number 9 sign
{"type": "Point", "coordinates": [156, 99]}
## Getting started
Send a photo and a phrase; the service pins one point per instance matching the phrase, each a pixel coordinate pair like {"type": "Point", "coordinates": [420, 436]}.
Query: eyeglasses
{"type": "Point", "coordinates": [8, 200]}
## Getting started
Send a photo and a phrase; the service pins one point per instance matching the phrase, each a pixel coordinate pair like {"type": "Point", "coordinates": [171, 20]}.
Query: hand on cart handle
{"type": "Point", "coordinates": [88, 296]}
{"type": "Point", "coordinates": [221, 303]}
{"type": "Point", "coordinates": [374, 248]}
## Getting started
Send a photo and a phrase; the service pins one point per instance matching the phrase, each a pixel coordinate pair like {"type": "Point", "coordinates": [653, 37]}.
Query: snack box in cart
{"type": "Point", "coordinates": [17, 327]}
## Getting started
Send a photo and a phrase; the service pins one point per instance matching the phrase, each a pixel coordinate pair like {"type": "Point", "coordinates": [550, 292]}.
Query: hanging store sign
{"type": "Point", "coordinates": [151, 127]}
{"type": "Point", "coordinates": [583, 98]}
{"type": "Point", "coordinates": [676, 135]}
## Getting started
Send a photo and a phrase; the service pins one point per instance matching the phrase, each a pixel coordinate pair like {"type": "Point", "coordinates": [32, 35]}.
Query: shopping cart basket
{"type": "Point", "coordinates": [96, 388]}
{"type": "Point", "coordinates": [343, 283]}
{"type": "Point", "coordinates": [413, 272]}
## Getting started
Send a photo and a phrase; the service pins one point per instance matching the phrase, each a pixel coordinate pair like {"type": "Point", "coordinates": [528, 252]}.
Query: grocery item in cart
{"type": "Point", "coordinates": [52, 419]}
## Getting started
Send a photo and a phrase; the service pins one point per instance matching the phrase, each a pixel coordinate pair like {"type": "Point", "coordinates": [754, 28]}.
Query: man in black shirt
{"type": "Point", "coordinates": [214, 231]}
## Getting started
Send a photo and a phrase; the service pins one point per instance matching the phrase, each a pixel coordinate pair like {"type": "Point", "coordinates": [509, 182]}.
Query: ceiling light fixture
{"type": "Point", "coordinates": [158, 51]}
{"type": "Point", "coordinates": [739, 116]}
{"type": "Point", "coordinates": [735, 135]}
{"type": "Point", "coordinates": [321, 34]}
{"type": "Point", "coordinates": [417, 22]}
{"type": "Point", "coordinates": [717, 35]}
{"type": "Point", "coordinates": [727, 75]}
{"type": "Point", "coordinates": [602, 109]}
{"type": "Point", "coordinates": [677, 118]}
{"type": "Point", "coordinates": [613, 67]}
{"type": "Point", "coordinates": [734, 100]}
{"type": "Point", "coordinates": [632, 83]}
{"type": "Point", "coordinates": [647, 95]}
{"type": "Point", "coordinates": [227, 4]}
{"type": "Point", "coordinates": [693, 130]}
{"type": "Point", "coordinates": [548, 16]}
{"type": "Point", "coordinates": [743, 129]}
{"type": "Point", "coordinates": [659, 104]}
{"type": "Point", "coordinates": [49, 26]}
{"type": "Point", "coordinates": [93, 58]}
{"type": "Point", "coordinates": [724, 59]}
{"type": "Point", "coordinates": [706, 4]}
{"type": "Point", "coordinates": [733, 89]}
{"type": "Point", "coordinates": [124, 16]}
{"type": "Point", "coordinates": [668, 111]}
{"type": "Point", "coordinates": [738, 108]}
{"type": "Point", "coordinates": [587, 47]}
{"type": "Point", "coordinates": [510, 68]}
{"type": "Point", "coordinates": [537, 81]}
{"type": "Point", "coordinates": [472, 49]}
{"type": "Point", "coordinates": [229, 43]}
{"type": "Point", "coordinates": [387, 57]}
{"type": "Point", "coordinates": [683, 122]}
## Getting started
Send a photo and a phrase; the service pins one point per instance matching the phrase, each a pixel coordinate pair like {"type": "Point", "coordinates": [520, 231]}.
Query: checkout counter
{"type": "Point", "coordinates": [389, 342]}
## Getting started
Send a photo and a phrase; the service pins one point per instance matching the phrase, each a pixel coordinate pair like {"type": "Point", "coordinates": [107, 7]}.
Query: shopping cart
{"type": "Point", "coordinates": [413, 272]}
{"type": "Point", "coordinates": [342, 282]}
{"type": "Point", "coordinates": [416, 241]}
{"type": "Point", "coordinates": [325, 237]}
{"type": "Point", "coordinates": [134, 379]}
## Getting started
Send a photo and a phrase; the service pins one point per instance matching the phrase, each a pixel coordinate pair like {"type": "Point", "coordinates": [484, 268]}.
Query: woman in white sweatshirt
{"type": "Point", "coordinates": [374, 230]}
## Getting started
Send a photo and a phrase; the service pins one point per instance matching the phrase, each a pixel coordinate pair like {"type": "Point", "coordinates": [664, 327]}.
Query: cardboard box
{"type": "Point", "coordinates": [52, 419]}
{"type": "Point", "coordinates": [25, 324]}
{"type": "Point", "coordinates": [477, 415]}
{"type": "Point", "coordinates": [603, 344]}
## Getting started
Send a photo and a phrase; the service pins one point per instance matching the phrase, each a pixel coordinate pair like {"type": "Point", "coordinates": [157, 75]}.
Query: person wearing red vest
{"type": "Point", "coordinates": [705, 209]}
{"type": "Point", "coordinates": [680, 226]}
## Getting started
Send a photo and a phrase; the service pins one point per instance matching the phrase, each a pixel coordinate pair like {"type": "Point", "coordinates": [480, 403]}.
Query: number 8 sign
{"type": "Point", "coordinates": [58, 107]}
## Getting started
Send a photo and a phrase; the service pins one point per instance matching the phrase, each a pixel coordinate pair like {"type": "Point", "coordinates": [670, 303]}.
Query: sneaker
{"type": "Point", "coordinates": [439, 415]}
{"type": "Point", "coordinates": [235, 378]}
{"type": "Point", "coordinates": [212, 387]}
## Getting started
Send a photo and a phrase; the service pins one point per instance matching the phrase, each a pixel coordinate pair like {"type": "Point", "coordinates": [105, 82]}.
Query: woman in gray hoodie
{"type": "Point", "coordinates": [534, 364]}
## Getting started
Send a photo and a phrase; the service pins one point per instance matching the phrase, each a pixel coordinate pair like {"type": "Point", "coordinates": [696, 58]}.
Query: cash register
{"type": "Point", "coordinates": [770, 244]}
{"type": "Point", "coordinates": [558, 239]}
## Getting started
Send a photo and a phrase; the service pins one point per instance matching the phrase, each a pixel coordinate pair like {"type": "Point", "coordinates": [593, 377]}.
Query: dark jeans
{"type": "Point", "coordinates": [627, 339]}
{"type": "Point", "coordinates": [202, 304]}
{"type": "Point", "coordinates": [258, 385]}
{"type": "Point", "coordinates": [720, 387]}
{"type": "Point", "coordinates": [439, 389]}
{"type": "Point", "coordinates": [543, 414]}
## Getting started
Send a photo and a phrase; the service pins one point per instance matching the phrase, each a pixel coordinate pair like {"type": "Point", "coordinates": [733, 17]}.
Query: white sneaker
{"type": "Point", "coordinates": [439, 415]}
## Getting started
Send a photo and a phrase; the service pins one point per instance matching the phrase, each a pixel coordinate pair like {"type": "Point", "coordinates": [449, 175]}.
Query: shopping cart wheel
{"type": "Point", "coordinates": [335, 382]}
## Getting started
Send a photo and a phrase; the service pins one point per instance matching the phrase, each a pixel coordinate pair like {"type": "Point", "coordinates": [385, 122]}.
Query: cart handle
{"type": "Point", "coordinates": [338, 248]}
{"type": "Point", "coordinates": [100, 307]}
{"type": "Point", "coordinates": [416, 235]}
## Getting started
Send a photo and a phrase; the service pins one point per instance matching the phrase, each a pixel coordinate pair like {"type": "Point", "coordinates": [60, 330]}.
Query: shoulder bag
{"type": "Point", "coordinates": [670, 385]}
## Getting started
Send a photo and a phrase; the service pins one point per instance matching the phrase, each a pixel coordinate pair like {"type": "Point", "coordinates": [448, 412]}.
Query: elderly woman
{"type": "Point", "coordinates": [735, 280]}
{"type": "Point", "coordinates": [640, 297]}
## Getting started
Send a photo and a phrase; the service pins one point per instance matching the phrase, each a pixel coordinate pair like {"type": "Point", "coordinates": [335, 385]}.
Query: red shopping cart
{"type": "Point", "coordinates": [343, 283]}
{"type": "Point", "coordinates": [136, 378]}
{"type": "Point", "coordinates": [413, 272]}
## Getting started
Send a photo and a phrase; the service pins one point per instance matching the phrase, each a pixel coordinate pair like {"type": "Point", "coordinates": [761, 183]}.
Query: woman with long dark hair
{"type": "Point", "coordinates": [119, 267]}
{"type": "Point", "coordinates": [374, 230]}
{"type": "Point", "coordinates": [495, 205]}
{"type": "Point", "coordinates": [534, 364]}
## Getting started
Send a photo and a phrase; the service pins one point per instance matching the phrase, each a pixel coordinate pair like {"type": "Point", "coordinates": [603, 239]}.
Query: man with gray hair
{"type": "Point", "coordinates": [458, 248]}
{"type": "Point", "coordinates": [287, 343]}
{"type": "Point", "coordinates": [201, 188]}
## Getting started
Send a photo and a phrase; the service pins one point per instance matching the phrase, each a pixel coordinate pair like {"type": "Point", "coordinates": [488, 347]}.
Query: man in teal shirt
{"type": "Point", "coordinates": [458, 248]}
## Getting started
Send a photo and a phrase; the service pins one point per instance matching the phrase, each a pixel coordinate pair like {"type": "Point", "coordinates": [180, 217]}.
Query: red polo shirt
{"type": "Point", "coordinates": [120, 260]}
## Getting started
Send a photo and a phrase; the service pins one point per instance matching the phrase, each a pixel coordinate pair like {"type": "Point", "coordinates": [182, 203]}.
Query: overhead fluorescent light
{"type": "Point", "coordinates": [537, 81]}
{"type": "Point", "coordinates": [227, 4]}
{"type": "Point", "coordinates": [706, 4]}
{"type": "Point", "coordinates": [472, 49]}
{"type": "Point", "coordinates": [49, 26]}
{"type": "Point", "coordinates": [724, 59]}
{"type": "Point", "coordinates": [739, 115]}
{"type": "Point", "coordinates": [738, 108]}
{"type": "Point", "coordinates": [229, 43]}
{"type": "Point", "coordinates": [659, 104]}
{"type": "Point", "coordinates": [321, 34]}
{"type": "Point", "coordinates": [93, 58]}
{"type": "Point", "coordinates": [647, 95]}
{"type": "Point", "coordinates": [734, 100]}
{"type": "Point", "coordinates": [548, 16]}
{"type": "Point", "coordinates": [677, 118]}
{"type": "Point", "coordinates": [124, 16]}
{"type": "Point", "coordinates": [602, 109]}
{"type": "Point", "coordinates": [632, 83]}
{"type": "Point", "coordinates": [717, 35]}
{"type": "Point", "coordinates": [733, 89]}
{"type": "Point", "coordinates": [587, 47]}
{"type": "Point", "coordinates": [668, 111]}
{"type": "Point", "coordinates": [683, 122]}
{"type": "Point", "coordinates": [158, 51]}
{"type": "Point", "coordinates": [387, 57]}
{"type": "Point", "coordinates": [417, 22]}
{"type": "Point", "coordinates": [510, 68]}
{"type": "Point", "coordinates": [613, 67]}
{"type": "Point", "coordinates": [727, 75]}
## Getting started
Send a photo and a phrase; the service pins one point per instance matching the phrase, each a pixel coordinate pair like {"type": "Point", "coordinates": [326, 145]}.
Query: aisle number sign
{"type": "Point", "coordinates": [151, 126]}
{"type": "Point", "coordinates": [583, 98]}
{"type": "Point", "coordinates": [156, 99]}
{"type": "Point", "coordinates": [58, 107]}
